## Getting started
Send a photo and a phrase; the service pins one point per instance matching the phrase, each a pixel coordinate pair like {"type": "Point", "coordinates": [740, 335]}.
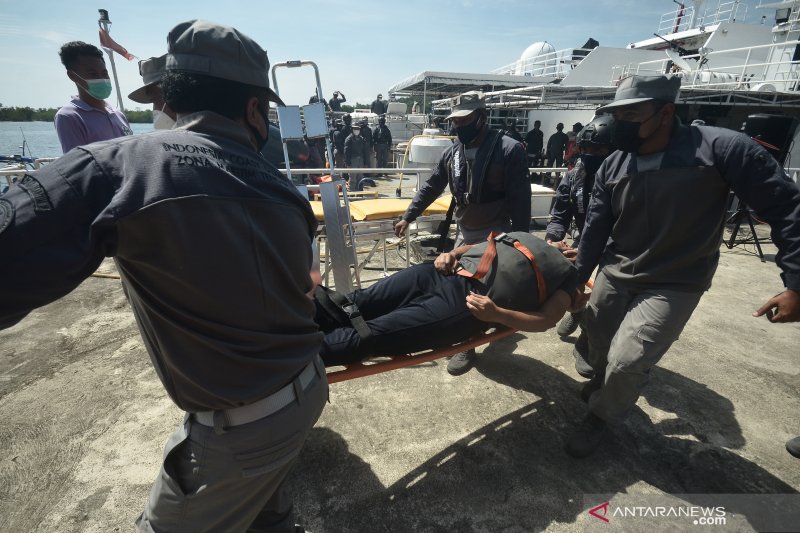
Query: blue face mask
{"type": "Point", "coordinates": [592, 162]}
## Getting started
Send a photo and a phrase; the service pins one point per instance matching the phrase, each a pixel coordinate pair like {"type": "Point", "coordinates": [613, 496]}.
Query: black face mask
{"type": "Point", "coordinates": [261, 142]}
{"type": "Point", "coordinates": [625, 135]}
{"type": "Point", "coordinates": [469, 132]}
{"type": "Point", "coordinates": [592, 162]}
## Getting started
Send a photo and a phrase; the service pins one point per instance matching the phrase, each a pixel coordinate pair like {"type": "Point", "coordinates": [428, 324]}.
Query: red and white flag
{"type": "Point", "coordinates": [107, 42]}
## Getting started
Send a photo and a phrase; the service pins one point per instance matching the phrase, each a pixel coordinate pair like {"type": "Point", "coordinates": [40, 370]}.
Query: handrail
{"type": "Point", "coordinates": [707, 75]}
{"type": "Point", "coordinates": [549, 64]}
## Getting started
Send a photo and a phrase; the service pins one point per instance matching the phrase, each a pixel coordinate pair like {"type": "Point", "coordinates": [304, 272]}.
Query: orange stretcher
{"type": "Point", "coordinates": [377, 365]}
{"type": "Point", "coordinates": [380, 364]}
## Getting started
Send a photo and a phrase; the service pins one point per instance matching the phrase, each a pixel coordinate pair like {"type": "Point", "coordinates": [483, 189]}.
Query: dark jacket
{"type": "Point", "coordinates": [572, 199]}
{"type": "Point", "coordinates": [500, 174]}
{"type": "Point", "coordinates": [355, 146]}
{"type": "Point", "coordinates": [212, 243]}
{"type": "Point", "coordinates": [514, 134]}
{"type": "Point", "coordinates": [378, 107]}
{"type": "Point", "coordinates": [381, 135]}
{"type": "Point", "coordinates": [534, 140]}
{"type": "Point", "coordinates": [366, 134]}
{"type": "Point", "coordinates": [667, 232]}
{"type": "Point", "coordinates": [335, 103]}
{"type": "Point", "coordinates": [556, 145]}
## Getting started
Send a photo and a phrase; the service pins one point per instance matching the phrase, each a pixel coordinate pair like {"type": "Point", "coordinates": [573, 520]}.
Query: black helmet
{"type": "Point", "coordinates": [597, 132]}
{"type": "Point", "coordinates": [347, 119]}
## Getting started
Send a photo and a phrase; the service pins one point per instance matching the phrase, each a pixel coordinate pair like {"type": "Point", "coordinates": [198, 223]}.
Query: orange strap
{"type": "Point", "coordinates": [540, 283]}
{"type": "Point", "coordinates": [486, 260]}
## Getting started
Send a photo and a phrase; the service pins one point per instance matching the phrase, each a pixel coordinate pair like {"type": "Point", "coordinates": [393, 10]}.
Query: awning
{"type": "Point", "coordinates": [447, 84]}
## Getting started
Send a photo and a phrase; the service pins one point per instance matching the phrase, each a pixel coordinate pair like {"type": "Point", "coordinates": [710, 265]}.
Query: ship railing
{"type": "Point", "coordinates": [13, 168]}
{"type": "Point", "coordinates": [753, 72]}
{"type": "Point", "coordinates": [684, 18]}
{"type": "Point", "coordinates": [675, 21]}
{"type": "Point", "coordinates": [556, 64]}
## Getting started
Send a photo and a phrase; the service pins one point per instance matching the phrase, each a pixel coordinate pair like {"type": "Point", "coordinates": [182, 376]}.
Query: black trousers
{"type": "Point", "coordinates": [416, 309]}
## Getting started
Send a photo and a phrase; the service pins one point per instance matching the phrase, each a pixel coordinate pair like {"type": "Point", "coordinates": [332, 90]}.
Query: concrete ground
{"type": "Point", "coordinates": [85, 418]}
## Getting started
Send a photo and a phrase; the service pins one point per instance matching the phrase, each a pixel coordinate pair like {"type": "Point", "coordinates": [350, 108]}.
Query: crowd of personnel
{"type": "Point", "coordinates": [229, 324]}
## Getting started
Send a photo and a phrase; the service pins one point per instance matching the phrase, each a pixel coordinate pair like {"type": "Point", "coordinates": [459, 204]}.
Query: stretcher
{"type": "Point", "coordinates": [382, 208]}
{"type": "Point", "coordinates": [377, 365]}
{"type": "Point", "coordinates": [348, 223]}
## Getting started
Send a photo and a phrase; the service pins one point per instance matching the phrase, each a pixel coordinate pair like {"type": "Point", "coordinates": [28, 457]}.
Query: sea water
{"type": "Point", "coordinates": [41, 137]}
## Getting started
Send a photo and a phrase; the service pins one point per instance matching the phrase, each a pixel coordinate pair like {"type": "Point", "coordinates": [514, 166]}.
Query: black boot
{"type": "Point", "coordinates": [581, 354]}
{"type": "Point", "coordinates": [793, 446]}
{"type": "Point", "coordinates": [589, 388]}
{"type": "Point", "coordinates": [585, 440]}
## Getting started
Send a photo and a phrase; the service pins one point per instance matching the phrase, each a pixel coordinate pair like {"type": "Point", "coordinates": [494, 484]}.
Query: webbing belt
{"type": "Point", "coordinates": [490, 254]}
{"type": "Point", "coordinates": [264, 407]}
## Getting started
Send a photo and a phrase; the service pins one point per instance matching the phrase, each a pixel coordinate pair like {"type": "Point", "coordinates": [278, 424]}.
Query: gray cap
{"type": "Point", "coordinates": [466, 103]}
{"type": "Point", "coordinates": [218, 51]}
{"type": "Point", "coordinates": [151, 70]}
{"type": "Point", "coordinates": [636, 89]}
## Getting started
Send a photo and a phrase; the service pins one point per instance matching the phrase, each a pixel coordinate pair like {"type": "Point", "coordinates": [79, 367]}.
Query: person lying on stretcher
{"type": "Point", "coordinates": [513, 280]}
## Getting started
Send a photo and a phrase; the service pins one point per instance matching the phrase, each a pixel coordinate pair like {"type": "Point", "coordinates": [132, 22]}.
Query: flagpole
{"type": "Point", "coordinates": [104, 22]}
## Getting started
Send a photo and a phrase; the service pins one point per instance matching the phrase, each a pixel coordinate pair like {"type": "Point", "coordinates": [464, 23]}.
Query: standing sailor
{"type": "Point", "coordinates": [487, 173]}
{"type": "Point", "coordinates": [225, 318]}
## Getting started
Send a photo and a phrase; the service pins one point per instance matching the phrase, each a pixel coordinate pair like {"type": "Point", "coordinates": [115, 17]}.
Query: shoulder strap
{"type": "Point", "coordinates": [342, 310]}
{"type": "Point", "coordinates": [444, 226]}
{"type": "Point", "coordinates": [540, 283]}
{"type": "Point", "coordinates": [486, 260]}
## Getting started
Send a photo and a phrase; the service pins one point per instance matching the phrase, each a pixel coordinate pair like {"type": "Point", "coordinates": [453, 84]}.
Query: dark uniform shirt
{"type": "Point", "coordinates": [665, 231]}
{"type": "Point", "coordinates": [378, 107]}
{"type": "Point", "coordinates": [534, 140]}
{"type": "Point", "coordinates": [212, 243]}
{"type": "Point", "coordinates": [572, 199]}
{"type": "Point", "coordinates": [556, 145]}
{"type": "Point", "coordinates": [335, 103]}
{"type": "Point", "coordinates": [355, 146]}
{"type": "Point", "coordinates": [381, 135]}
{"type": "Point", "coordinates": [495, 185]}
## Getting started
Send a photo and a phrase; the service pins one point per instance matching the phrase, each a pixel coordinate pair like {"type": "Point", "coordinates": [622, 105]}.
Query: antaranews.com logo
{"type": "Point", "coordinates": [694, 514]}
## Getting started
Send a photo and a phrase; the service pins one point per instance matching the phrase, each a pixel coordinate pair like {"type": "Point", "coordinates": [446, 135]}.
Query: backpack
{"type": "Point", "coordinates": [521, 271]}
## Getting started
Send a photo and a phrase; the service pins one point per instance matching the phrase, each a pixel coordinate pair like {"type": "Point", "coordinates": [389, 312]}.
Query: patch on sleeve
{"type": "Point", "coordinates": [41, 202]}
{"type": "Point", "coordinates": [6, 214]}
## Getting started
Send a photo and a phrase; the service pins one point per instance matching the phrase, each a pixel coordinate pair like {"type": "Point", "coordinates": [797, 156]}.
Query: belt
{"type": "Point", "coordinates": [264, 407]}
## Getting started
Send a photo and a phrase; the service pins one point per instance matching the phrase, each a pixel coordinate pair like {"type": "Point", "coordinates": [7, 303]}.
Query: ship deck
{"type": "Point", "coordinates": [85, 419]}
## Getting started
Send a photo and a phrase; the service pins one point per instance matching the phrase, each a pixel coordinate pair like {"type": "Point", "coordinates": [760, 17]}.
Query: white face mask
{"type": "Point", "coordinates": [162, 121]}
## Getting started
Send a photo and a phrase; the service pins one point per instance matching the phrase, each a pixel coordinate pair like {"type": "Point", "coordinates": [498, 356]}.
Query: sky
{"type": "Point", "coordinates": [362, 47]}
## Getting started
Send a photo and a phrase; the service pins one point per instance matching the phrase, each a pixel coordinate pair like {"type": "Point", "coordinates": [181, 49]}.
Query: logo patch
{"type": "Point", "coordinates": [6, 214]}
{"type": "Point", "coordinates": [41, 202]}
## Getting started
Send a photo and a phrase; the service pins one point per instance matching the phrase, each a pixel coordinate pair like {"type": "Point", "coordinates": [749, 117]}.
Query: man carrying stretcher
{"type": "Point", "coordinates": [514, 280]}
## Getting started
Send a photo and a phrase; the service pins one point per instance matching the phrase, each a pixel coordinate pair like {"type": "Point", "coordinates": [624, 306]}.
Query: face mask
{"type": "Point", "coordinates": [625, 135]}
{"type": "Point", "coordinates": [592, 162]}
{"type": "Point", "coordinates": [469, 132]}
{"type": "Point", "coordinates": [100, 88]}
{"type": "Point", "coordinates": [162, 121]}
{"type": "Point", "coordinates": [261, 142]}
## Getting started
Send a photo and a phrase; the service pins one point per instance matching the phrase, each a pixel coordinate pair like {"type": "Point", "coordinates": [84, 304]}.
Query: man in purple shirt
{"type": "Point", "coordinates": [87, 118]}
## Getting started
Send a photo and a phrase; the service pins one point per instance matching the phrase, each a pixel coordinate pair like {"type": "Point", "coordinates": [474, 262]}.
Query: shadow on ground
{"type": "Point", "coordinates": [512, 474]}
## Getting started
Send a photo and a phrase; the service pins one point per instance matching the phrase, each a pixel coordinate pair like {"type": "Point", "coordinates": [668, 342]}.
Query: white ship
{"type": "Point", "coordinates": [732, 64]}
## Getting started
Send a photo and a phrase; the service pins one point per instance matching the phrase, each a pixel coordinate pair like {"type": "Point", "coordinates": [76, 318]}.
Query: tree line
{"type": "Point", "coordinates": [30, 114]}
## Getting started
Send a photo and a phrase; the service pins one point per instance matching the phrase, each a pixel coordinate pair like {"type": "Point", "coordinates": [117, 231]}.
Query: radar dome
{"type": "Point", "coordinates": [537, 60]}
